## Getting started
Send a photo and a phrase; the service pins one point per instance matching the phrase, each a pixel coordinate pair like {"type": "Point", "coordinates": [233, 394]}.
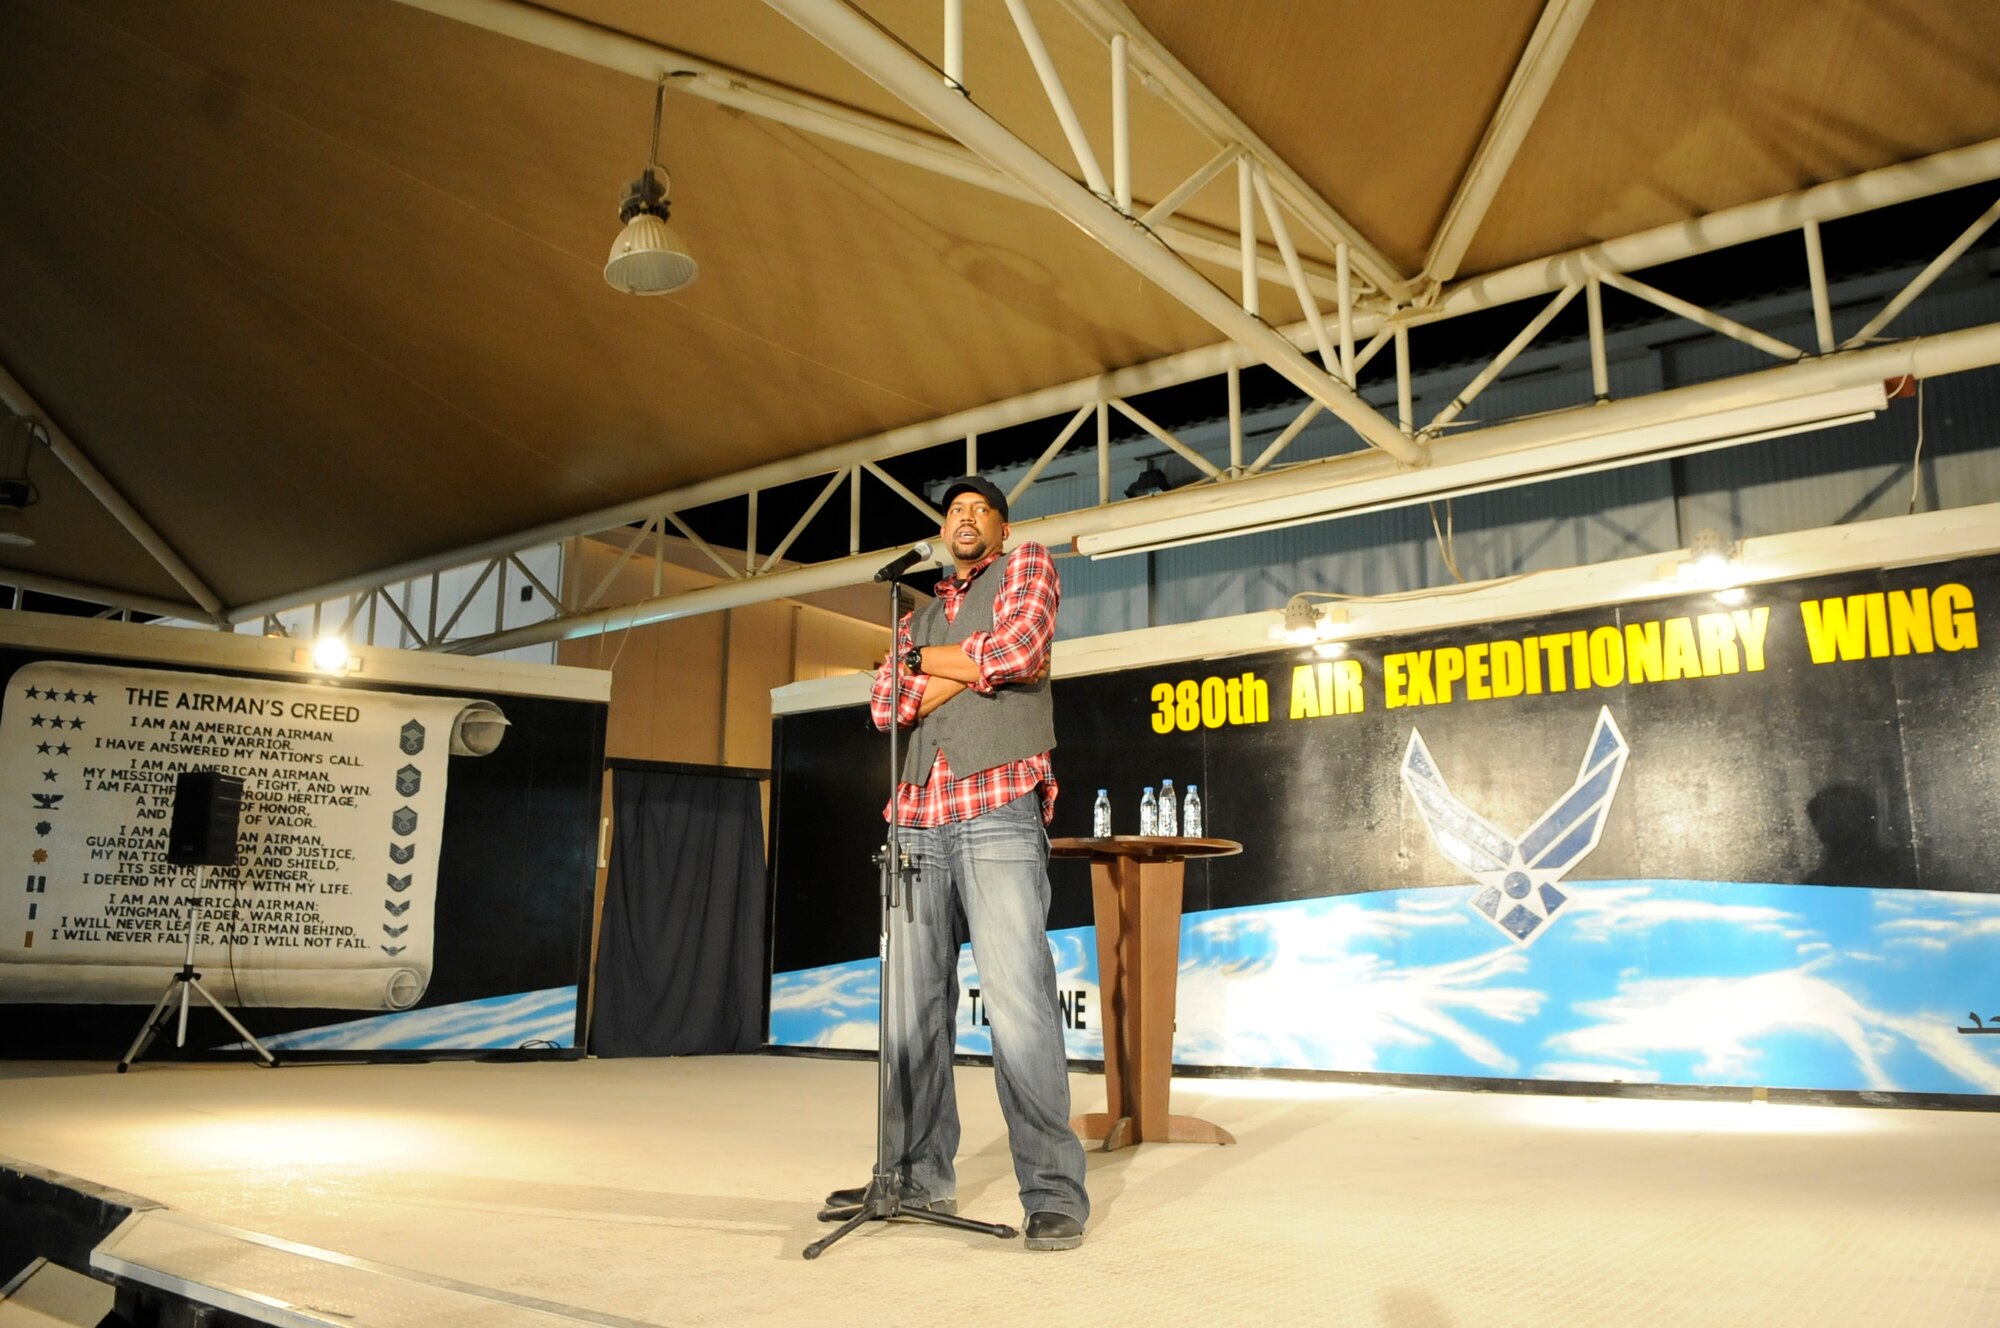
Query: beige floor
{"type": "Point", "coordinates": [682, 1192]}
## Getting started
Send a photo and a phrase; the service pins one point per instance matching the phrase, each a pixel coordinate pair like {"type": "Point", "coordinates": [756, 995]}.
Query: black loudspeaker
{"type": "Point", "coordinates": [207, 805]}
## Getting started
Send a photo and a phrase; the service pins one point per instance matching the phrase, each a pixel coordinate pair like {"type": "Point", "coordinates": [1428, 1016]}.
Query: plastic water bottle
{"type": "Point", "coordinates": [1100, 816]}
{"type": "Point", "coordinates": [1149, 813]}
{"type": "Point", "coordinates": [1168, 819]}
{"type": "Point", "coordinates": [1191, 814]}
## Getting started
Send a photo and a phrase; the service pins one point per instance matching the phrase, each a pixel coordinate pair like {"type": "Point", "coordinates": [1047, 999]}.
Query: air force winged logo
{"type": "Point", "coordinates": [1517, 878]}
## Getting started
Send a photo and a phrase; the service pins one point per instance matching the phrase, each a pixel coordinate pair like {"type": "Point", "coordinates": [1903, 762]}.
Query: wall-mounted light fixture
{"type": "Point", "coordinates": [329, 654]}
{"type": "Point", "coordinates": [1306, 624]}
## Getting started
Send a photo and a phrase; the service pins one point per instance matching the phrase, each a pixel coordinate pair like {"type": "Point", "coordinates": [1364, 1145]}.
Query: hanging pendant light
{"type": "Point", "coordinates": [647, 258]}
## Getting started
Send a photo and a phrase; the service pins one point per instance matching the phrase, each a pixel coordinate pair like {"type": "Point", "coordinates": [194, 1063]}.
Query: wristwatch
{"type": "Point", "coordinates": [913, 659]}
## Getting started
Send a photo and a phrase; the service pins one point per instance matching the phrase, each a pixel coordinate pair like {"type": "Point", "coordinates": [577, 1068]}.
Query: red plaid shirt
{"type": "Point", "coordinates": [1024, 627]}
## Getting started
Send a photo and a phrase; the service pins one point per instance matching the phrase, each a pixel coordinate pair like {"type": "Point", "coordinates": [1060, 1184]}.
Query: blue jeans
{"type": "Point", "coordinates": [988, 876]}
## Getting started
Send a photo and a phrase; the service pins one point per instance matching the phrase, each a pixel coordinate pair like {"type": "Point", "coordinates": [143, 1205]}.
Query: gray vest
{"type": "Point", "coordinates": [976, 732]}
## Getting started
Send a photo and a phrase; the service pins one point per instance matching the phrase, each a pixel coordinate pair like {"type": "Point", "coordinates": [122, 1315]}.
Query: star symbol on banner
{"type": "Point", "coordinates": [33, 694]}
{"type": "Point", "coordinates": [75, 723]}
{"type": "Point", "coordinates": [49, 776]}
{"type": "Point", "coordinates": [41, 855]}
{"type": "Point", "coordinates": [37, 721]}
{"type": "Point", "coordinates": [42, 748]}
{"type": "Point", "coordinates": [70, 695]}
{"type": "Point", "coordinates": [62, 749]}
{"type": "Point", "coordinates": [90, 698]}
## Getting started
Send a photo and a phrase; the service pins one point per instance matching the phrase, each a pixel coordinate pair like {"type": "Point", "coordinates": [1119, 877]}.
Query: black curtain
{"type": "Point", "coordinates": [680, 957]}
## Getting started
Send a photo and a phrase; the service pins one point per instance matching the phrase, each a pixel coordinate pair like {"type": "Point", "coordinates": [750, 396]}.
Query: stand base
{"type": "Point", "coordinates": [181, 983]}
{"type": "Point", "coordinates": [1122, 1131]}
{"type": "Point", "coordinates": [885, 1206]}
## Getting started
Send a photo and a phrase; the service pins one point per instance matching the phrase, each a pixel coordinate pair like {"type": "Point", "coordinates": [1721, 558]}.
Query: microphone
{"type": "Point", "coordinates": [902, 563]}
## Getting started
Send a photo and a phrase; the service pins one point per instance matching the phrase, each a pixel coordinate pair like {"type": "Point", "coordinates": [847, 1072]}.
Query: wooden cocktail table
{"type": "Point", "coordinates": [1135, 884]}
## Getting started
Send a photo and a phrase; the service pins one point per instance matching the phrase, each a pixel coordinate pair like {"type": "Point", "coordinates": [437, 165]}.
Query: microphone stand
{"type": "Point", "coordinates": [883, 1199]}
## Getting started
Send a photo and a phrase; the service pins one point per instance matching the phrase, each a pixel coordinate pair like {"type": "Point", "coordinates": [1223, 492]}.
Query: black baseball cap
{"type": "Point", "coordinates": [985, 488]}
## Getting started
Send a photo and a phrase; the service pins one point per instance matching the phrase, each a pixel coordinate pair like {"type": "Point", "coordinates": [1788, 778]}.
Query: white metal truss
{"type": "Point", "coordinates": [889, 62]}
{"type": "Point", "coordinates": [1070, 406]}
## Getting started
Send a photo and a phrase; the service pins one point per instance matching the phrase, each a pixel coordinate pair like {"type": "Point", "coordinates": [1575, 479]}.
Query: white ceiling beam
{"type": "Point", "coordinates": [809, 113]}
{"type": "Point", "coordinates": [881, 57]}
{"type": "Point", "coordinates": [105, 595]}
{"type": "Point", "coordinates": [1883, 187]}
{"type": "Point", "coordinates": [1534, 75]}
{"type": "Point", "coordinates": [17, 399]}
{"type": "Point", "coordinates": [1106, 19]}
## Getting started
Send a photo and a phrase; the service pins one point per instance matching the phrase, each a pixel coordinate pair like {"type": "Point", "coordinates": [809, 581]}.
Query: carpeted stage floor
{"type": "Point", "coordinates": [682, 1192]}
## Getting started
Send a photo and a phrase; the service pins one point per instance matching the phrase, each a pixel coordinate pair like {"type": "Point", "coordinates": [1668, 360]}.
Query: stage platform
{"type": "Point", "coordinates": [676, 1192]}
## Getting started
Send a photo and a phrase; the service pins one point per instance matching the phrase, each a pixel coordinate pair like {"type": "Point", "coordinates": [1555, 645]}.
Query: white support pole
{"type": "Point", "coordinates": [1192, 457]}
{"type": "Point", "coordinates": [854, 510]}
{"type": "Point", "coordinates": [1049, 454]}
{"type": "Point", "coordinates": [688, 533]}
{"type": "Point", "coordinates": [17, 399]}
{"type": "Point", "coordinates": [904, 492]}
{"type": "Point", "coordinates": [499, 600]}
{"type": "Point", "coordinates": [799, 527]}
{"type": "Point", "coordinates": [1534, 75]}
{"type": "Point", "coordinates": [1382, 337]}
{"type": "Point", "coordinates": [533, 580]}
{"type": "Point", "coordinates": [972, 454]}
{"type": "Point", "coordinates": [1498, 365]}
{"type": "Point", "coordinates": [1235, 423]}
{"type": "Point", "coordinates": [473, 592]}
{"type": "Point", "coordinates": [1059, 102]}
{"type": "Point", "coordinates": [1156, 215]}
{"type": "Point", "coordinates": [1281, 235]}
{"type": "Point", "coordinates": [1821, 302]}
{"type": "Point", "coordinates": [1103, 454]}
{"type": "Point", "coordinates": [1344, 276]}
{"type": "Point", "coordinates": [1922, 281]}
{"type": "Point", "coordinates": [750, 536]}
{"type": "Point", "coordinates": [1246, 231]}
{"type": "Point", "coordinates": [1404, 411]}
{"type": "Point", "coordinates": [632, 544]}
{"type": "Point", "coordinates": [1121, 125]}
{"type": "Point", "coordinates": [1284, 440]}
{"type": "Point", "coordinates": [1708, 318]}
{"type": "Point", "coordinates": [954, 44]}
{"type": "Point", "coordinates": [1600, 367]}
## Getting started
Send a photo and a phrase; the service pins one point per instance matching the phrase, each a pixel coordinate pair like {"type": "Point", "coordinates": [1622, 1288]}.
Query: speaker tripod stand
{"type": "Point", "coordinates": [187, 980]}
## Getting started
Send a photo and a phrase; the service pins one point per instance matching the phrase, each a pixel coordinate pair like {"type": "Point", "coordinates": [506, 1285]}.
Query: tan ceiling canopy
{"type": "Point", "coordinates": [317, 287]}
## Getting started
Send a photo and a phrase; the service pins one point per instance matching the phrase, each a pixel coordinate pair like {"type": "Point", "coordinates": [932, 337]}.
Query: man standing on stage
{"type": "Point", "coordinates": [969, 679]}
